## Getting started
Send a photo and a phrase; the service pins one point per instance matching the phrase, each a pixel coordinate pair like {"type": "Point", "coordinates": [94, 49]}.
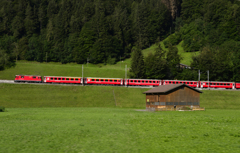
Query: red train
{"type": "Point", "coordinates": [123, 82]}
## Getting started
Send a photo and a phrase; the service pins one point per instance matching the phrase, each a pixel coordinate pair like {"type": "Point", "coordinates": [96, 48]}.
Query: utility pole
{"type": "Point", "coordinates": [208, 80]}
{"type": "Point", "coordinates": [125, 75]}
{"type": "Point", "coordinates": [46, 57]}
{"type": "Point", "coordinates": [82, 77]}
{"type": "Point", "coordinates": [120, 62]}
{"type": "Point", "coordinates": [199, 75]}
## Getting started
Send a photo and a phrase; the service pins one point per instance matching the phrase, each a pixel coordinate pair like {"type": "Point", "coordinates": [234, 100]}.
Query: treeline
{"type": "Point", "coordinates": [213, 28]}
{"type": "Point", "coordinates": [79, 30]}
{"type": "Point", "coordinates": [160, 65]}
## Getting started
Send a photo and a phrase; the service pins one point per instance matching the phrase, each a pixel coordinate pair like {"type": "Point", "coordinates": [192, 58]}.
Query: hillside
{"type": "Point", "coordinates": [26, 96]}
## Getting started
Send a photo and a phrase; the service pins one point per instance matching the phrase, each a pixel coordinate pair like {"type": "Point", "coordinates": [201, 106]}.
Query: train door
{"type": "Point", "coordinates": [233, 85]}
{"type": "Point", "coordinates": [201, 85]}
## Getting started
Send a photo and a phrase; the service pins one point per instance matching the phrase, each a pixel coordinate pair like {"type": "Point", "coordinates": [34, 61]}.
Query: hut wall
{"type": "Point", "coordinates": [183, 95]}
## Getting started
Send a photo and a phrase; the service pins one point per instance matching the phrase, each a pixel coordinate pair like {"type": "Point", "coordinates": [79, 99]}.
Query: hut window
{"type": "Point", "coordinates": [162, 103]}
{"type": "Point", "coordinates": [156, 103]}
{"type": "Point", "coordinates": [196, 103]}
{"type": "Point", "coordinates": [148, 103]}
{"type": "Point", "coordinates": [169, 103]}
{"type": "Point", "coordinates": [175, 103]}
{"type": "Point", "coordinates": [189, 103]}
{"type": "Point", "coordinates": [152, 103]}
{"type": "Point", "coordinates": [182, 103]}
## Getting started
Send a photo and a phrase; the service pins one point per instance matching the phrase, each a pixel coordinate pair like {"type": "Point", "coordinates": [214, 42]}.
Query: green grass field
{"type": "Point", "coordinates": [88, 130]}
{"type": "Point", "coordinates": [28, 96]}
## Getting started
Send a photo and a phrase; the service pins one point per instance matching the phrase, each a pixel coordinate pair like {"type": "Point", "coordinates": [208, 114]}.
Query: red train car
{"type": "Point", "coordinates": [61, 79]}
{"type": "Point", "coordinates": [143, 82]}
{"type": "Point", "coordinates": [28, 78]}
{"type": "Point", "coordinates": [194, 84]}
{"type": "Point", "coordinates": [103, 81]}
{"type": "Point", "coordinates": [216, 84]}
{"type": "Point", "coordinates": [237, 85]}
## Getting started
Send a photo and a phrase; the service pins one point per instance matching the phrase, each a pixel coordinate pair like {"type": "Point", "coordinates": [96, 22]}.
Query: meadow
{"type": "Point", "coordinates": [120, 130]}
{"type": "Point", "coordinates": [32, 95]}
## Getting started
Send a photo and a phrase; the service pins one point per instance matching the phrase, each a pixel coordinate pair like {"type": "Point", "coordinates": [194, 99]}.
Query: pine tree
{"type": "Point", "coordinates": [137, 69]}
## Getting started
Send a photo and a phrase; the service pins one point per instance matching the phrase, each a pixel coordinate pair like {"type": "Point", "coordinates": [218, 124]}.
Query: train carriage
{"type": "Point", "coordinates": [216, 84]}
{"type": "Point", "coordinates": [61, 79]}
{"type": "Point", "coordinates": [237, 85]}
{"type": "Point", "coordinates": [103, 81]}
{"type": "Point", "coordinates": [143, 82]}
{"type": "Point", "coordinates": [28, 78]}
{"type": "Point", "coordinates": [194, 84]}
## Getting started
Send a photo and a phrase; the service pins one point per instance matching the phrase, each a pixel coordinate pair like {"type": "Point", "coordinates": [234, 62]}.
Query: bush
{"type": "Point", "coordinates": [2, 109]}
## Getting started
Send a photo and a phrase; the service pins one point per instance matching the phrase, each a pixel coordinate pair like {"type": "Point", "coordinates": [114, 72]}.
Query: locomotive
{"type": "Point", "coordinates": [123, 82]}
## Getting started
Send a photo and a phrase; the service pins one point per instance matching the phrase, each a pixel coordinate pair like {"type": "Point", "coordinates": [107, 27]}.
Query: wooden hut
{"type": "Point", "coordinates": [172, 97]}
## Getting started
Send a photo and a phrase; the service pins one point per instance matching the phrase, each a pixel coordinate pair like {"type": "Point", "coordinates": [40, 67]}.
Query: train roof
{"type": "Point", "coordinates": [103, 78]}
{"type": "Point", "coordinates": [182, 80]}
{"type": "Point", "coordinates": [146, 79]}
{"type": "Point", "coordinates": [27, 75]}
{"type": "Point", "coordinates": [62, 76]}
{"type": "Point", "coordinates": [218, 81]}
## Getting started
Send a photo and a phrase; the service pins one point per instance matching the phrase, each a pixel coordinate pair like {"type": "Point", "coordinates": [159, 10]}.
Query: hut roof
{"type": "Point", "coordinates": [168, 88]}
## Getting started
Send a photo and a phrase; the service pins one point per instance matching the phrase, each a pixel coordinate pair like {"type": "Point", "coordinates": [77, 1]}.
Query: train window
{"type": "Point", "coordinates": [97, 79]}
{"type": "Point", "coordinates": [102, 80]}
{"type": "Point", "coordinates": [217, 83]}
{"type": "Point", "coordinates": [55, 78]}
{"type": "Point", "coordinates": [22, 76]}
{"type": "Point", "coordinates": [153, 81]}
{"type": "Point", "coordinates": [224, 84]}
{"type": "Point", "coordinates": [115, 80]}
{"type": "Point", "coordinates": [176, 82]}
{"type": "Point", "coordinates": [34, 77]}
{"type": "Point", "coordinates": [150, 81]}
{"type": "Point", "coordinates": [110, 80]}
{"type": "Point", "coordinates": [228, 84]}
{"type": "Point", "coordinates": [72, 79]}
{"type": "Point", "coordinates": [67, 78]}
{"type": "Point", "coordinates": [51, 78]}
{"type": "Point", "coordinates": [138, 81]}
{"type": "Point", "coordinates": [76, 79]}
{"type": "Point", "coordinates": [191, 82]}
{"type": "Point", "coordinates": [131, 80]}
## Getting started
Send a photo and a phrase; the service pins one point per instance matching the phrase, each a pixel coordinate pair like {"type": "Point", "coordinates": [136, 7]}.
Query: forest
{"type": "Point", "coordinates": [101, 31]}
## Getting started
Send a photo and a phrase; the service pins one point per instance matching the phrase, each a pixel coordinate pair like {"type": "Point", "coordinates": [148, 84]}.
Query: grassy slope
{"type": "Point", "coordinates": [186, 56]}
{"type": "Point", "coordinates": [24, 95]}
{"type": "Point", "coordinates": [28, 130]}
{"type": "Point", "coordinates": [58, 69]}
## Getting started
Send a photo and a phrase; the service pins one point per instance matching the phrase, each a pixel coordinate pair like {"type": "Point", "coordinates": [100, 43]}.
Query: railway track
{"type": "Point", "coordinates": [61, 84]}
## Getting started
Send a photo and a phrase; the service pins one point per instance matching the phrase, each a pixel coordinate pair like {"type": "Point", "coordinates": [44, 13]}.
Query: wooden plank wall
{"type": "Point", "coordinates": [183, 95]}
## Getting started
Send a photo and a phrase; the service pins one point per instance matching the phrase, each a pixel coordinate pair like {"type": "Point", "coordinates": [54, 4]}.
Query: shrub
{"type": "Point", "coordinates": [2, 109]}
